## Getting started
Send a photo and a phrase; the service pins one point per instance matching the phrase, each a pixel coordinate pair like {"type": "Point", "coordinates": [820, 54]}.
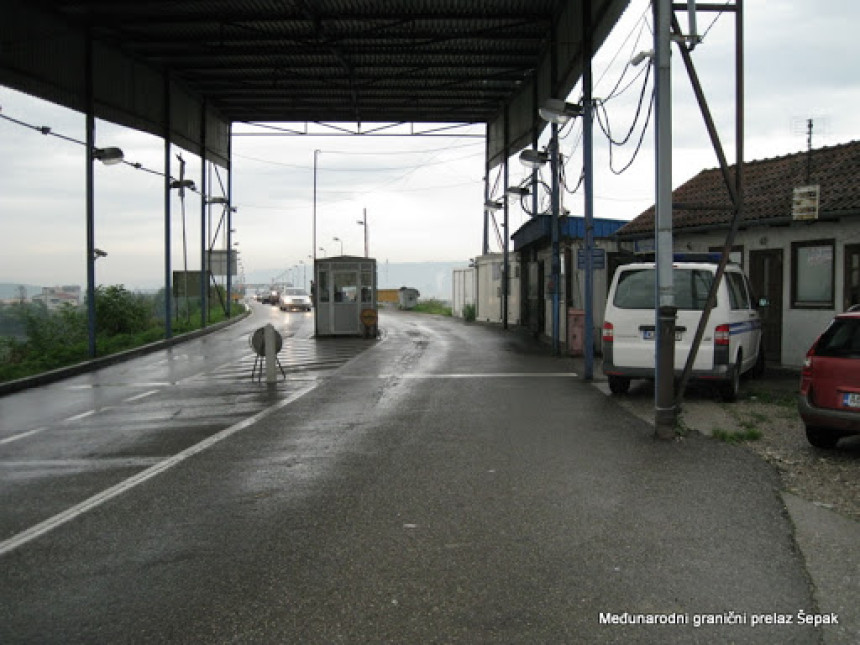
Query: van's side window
{"type": "Point", "coordinates": [738, 296]}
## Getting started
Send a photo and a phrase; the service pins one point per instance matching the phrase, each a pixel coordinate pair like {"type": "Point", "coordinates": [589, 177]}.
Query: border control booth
{"type": "Point", "coordinates": [345, 296]}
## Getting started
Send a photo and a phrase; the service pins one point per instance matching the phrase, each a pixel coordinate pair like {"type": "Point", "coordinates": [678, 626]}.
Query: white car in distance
{"type": "Point", "coordinates": [295, 299]}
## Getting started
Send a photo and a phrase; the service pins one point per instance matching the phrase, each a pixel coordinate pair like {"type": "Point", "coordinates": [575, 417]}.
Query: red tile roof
{"type": "Point", "coordinates": [703, 202]}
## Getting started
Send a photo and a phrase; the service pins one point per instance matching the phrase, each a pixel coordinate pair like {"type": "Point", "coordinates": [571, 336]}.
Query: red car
{"type": "Point", "coordinates": [829, 401]}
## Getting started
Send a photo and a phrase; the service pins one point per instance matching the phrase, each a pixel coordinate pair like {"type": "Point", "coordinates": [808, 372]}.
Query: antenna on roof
{"type": "Point", "coordinates": [809, 125]}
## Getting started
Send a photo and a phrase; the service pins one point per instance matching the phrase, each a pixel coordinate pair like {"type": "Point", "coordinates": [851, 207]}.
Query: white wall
{"type": "Point", "coordinates": [489, 285]}
{"type": "Point", "coordinates": [463, 283]}
{"type": "Point", "coordinates": [800, 327]}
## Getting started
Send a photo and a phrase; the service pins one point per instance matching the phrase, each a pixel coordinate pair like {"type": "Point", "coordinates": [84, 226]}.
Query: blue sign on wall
{"type": "Point", "coordinates": [598, 258]}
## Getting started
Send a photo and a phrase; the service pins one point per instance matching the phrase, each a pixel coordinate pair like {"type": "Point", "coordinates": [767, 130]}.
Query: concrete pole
{"type": "Point", "coordinates": [664, 395]}
{"type": "Point", "coordinates": [588, 188]}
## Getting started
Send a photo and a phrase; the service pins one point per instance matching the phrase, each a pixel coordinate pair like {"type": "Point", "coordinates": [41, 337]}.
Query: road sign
{"type": "Point", "coordinates": [369, 317]}
{"type": "Point", "coordinates": [598, 258]}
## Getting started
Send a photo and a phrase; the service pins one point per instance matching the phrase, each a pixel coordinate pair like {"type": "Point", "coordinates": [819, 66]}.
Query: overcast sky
{"type": "Point", "coordinates": [423, 195]}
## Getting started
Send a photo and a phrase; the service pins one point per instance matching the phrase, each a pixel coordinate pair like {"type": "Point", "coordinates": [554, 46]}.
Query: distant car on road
{"type": "Point", "coordinates": [295, 299]}
{"type": "Point", "coordinates": [829, 400]}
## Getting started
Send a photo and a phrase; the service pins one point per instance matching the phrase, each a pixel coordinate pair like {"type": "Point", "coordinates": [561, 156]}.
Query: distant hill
{"type": "Point", "coordinates": [432, 279]}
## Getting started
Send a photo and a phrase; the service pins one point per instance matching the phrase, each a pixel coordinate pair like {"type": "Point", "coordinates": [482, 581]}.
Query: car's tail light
{"type": "Point", "coordinates": [608, 332]}
{"type": "Point", "coordinates": [722, 334]}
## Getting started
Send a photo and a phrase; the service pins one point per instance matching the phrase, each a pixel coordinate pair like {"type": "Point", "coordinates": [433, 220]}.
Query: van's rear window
{"type": "Point", "coordinates": [635, 289]}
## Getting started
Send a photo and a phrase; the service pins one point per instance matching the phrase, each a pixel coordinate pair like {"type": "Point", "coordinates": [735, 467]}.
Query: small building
{"type": "Point", "coordinates": [408, 297]}
{"type": "Point", "coordinates": [481, 285]}
{"type": "Point", "coordinates": [388, 297]}
{"type": "Point", "coordinates": [55, 297]}
{"type": "Point", "coordinates": [798, 238]}
{"type": "Point", "coordinates": [345, 296]}
{"type": "Point", "coordinates": [533, 246]}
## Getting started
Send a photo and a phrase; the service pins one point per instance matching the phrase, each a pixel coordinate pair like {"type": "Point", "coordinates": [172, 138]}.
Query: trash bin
{"type": "Point", "coordinates": [575, 331]}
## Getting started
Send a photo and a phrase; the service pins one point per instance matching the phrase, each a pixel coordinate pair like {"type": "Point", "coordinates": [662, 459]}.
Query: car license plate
{"type": "Point", "coordinates": [649, 334]}
{"type": "Point", "coordinates": [851, 400]}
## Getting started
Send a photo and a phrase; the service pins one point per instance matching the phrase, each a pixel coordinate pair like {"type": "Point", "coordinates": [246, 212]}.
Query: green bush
{"type": "Point", "coordinates": [470, 313]}
{"type": "Point", "coordinates": [34, 339]}
{"type": "Point", "coordinates": [432, 306]}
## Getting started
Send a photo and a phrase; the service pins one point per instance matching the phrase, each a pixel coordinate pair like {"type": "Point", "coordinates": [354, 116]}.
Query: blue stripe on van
{"type": "Point", "coordinates": [744, 327]}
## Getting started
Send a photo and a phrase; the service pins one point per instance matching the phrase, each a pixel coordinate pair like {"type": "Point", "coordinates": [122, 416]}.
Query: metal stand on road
{"type": "Point", "coordinates": [266, 343]}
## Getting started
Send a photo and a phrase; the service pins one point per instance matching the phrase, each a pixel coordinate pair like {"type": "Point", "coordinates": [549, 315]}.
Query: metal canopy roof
{"type": "Point", "coordinates": [439, 61]}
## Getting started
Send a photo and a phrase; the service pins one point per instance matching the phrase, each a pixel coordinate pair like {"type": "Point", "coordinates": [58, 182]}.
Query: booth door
{"type": "Point", "coordinates": [345, 304]}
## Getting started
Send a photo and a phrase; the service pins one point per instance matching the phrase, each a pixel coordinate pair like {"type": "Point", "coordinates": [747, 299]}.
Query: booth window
{"type": "Point", "coordinates": [345, 287]}
{"type": "Point", "coordinates": [367, 286]}
{"type": "Point", "coordinates": [812, 273]}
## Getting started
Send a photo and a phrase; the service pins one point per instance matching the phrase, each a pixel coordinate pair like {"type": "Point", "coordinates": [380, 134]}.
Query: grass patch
{"type": "Point", "coordinates": [781, 398]}
{"type": "Point", "coordinates": [432, 306]}
{"type": "Point", "coordinates": [747, 434]}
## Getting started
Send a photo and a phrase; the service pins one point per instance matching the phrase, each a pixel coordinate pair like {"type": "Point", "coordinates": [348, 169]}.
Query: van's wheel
{"type": "Point", "coordinates": [729, 389]}
{"type": "Point", "coordinates": [619, 384]}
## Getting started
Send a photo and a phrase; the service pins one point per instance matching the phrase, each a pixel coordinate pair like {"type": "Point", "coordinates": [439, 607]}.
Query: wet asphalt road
{"type": "Point", "coordinates": [453, 483]}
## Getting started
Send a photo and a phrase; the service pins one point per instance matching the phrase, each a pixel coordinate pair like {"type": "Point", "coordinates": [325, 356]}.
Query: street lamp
{"type": "Point", "coordinates": [558, 111]}
{"type": "Point", "coordinates": [363, 222]}
{"type": "Point", "coordinates": [337, 239]}
{"type": "Point", "coordinates": [108, 156]}
{"type": "Point", "coordinates": [323, 252]}
{"type": "Point", "coordinates": [314, 241]}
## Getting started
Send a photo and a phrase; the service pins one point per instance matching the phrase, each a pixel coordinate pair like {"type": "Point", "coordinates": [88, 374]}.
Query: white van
{"type": "Point", "coordinates": [731, 344]}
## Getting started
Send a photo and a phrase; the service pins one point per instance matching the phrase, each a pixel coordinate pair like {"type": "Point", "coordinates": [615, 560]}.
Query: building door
{"type": "Point", "coordinates": [851, 291]}
{"type": "Point", "coordinates": [765, 273]}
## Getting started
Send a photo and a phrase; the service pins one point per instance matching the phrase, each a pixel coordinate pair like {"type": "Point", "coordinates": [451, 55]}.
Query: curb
{"type": "Point", "coordinates": [61, 373]}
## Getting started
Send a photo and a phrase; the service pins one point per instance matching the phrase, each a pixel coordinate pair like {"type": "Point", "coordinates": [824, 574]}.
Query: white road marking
{"type": "Point", "coordinates": [82, 415]}
{"type": "Point", "coordinates": [22, 435]}
{"type": "Point", "coordinates": [140, 396]}
{"type": "Point", "coordinates": [98, 499]}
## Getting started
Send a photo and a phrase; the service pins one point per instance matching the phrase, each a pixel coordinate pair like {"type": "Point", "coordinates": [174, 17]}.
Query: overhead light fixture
{"type": "Point", "coordinates": [217, 200]}
{"type": "Point", "coordinates": [108, 156]}
{"type": "Point", "coordinates": [532, 158]}
{"type": "Point", "coordinates": [98, 253]}
{"type": "Point", "coordinates": [638, 58]}
{"type": "Point", "coordinates": [491, 205]}
{"type": "Point", "coordinates": [559, 111]}
{"type": "Point", "coordinates": [182, 183]}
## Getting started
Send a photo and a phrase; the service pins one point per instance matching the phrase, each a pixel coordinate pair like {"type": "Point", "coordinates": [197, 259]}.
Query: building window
{"type": "Point", "coordinates": [812, 274]}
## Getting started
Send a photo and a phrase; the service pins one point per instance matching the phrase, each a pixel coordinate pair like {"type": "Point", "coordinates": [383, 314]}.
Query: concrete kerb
{"type": "Point", "coordinates": [103, 361]}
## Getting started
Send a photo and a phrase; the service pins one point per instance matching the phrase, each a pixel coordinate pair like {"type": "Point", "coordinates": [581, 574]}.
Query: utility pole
{"type": "Point", "coordinates": [664, 391]}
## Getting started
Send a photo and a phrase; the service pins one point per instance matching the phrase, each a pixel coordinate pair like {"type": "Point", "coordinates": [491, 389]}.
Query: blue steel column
{"type": "Point", "coordinates": [229, 219]}
{"type": "Point", "coordinates": [555, 261]}
{"type": "Point", "coordinates": [90, 206]}
{"type": "Point", "coordinates": [204, 278]}
{"type": "Point", "coordinates": [485, 246]}
{"type": "Point", "coordinates": [588, 187]}
{"type": "Point", "coordinates": [505, 259]}
{"type": "Point", "coordinates": [168, 292]}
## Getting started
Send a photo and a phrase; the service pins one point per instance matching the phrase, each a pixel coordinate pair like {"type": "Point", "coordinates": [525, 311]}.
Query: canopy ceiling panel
{"type": "Point", "coordinates": [432, 61]}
